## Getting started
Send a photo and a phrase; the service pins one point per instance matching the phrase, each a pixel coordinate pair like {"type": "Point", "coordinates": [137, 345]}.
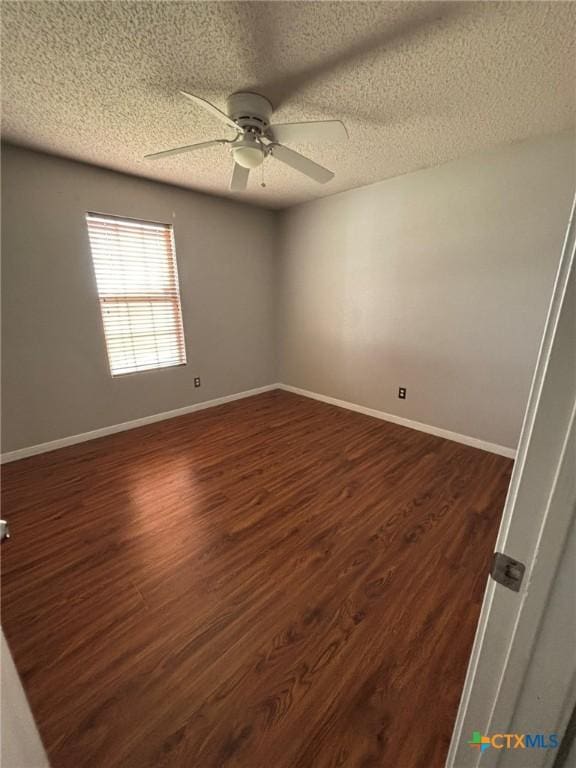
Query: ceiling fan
{"type": "Point", "coordinates": [256, 139]}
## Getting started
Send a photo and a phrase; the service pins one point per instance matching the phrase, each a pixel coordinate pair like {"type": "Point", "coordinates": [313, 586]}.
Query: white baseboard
{"type": "Point", "coordinates": [33, 450]}
{"type": "Point", "coordinates": [474, 442]}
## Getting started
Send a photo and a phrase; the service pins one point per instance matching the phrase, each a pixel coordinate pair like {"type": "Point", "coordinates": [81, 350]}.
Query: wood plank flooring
{"type": "Point", "coordinates": [273, 583]}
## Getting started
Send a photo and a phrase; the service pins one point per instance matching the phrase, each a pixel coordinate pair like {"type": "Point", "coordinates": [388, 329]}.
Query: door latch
{"type": "Point", "coordinates": [507, 571]}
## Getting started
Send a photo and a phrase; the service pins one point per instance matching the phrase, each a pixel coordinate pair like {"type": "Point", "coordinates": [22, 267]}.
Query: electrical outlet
{"type": "Point", "coordinates": [402, 393]}
{"type": "Point", "coordinates": [197, 381]}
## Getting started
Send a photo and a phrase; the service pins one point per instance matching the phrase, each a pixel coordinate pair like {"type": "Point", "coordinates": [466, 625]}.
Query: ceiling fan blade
{"type": "Point", "coordinates": [300, 163]}
{"type": "Point", "coordinates": [321, 131]}
{"type": "Point", "coordinates": [187, 148]}
{"type": "Point", "coordinates": [239, 179]}
{"type": "Point", "coordinates": [212, 109]}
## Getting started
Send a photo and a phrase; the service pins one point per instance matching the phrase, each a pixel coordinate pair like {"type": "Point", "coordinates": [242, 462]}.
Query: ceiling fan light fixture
{"type": "Point", "coordinates": [248, 156]}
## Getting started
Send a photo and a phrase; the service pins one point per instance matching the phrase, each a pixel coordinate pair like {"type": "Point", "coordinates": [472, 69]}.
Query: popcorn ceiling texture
{"type": "Point", "coordinates": [417, 84]}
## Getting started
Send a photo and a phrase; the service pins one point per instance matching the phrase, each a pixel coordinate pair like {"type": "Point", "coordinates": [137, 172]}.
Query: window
{"type": "Point", "coordinates": [137, 280]}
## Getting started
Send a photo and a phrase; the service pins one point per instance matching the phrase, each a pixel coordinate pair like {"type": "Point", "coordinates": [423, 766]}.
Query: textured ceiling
{"type": "Point", "coordinates": [417, 84]}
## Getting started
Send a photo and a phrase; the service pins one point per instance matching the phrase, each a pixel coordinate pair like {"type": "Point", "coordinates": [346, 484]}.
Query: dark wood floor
{"type": "Point", "coordinates": [273, 583]}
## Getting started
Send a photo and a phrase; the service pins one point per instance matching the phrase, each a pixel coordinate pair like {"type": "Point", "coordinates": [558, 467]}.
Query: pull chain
{"type": "Point", "coordinates": [262, 184]}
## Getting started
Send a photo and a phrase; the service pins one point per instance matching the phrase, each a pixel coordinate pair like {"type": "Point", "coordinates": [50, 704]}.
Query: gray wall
{"type": "Point", "coordinates": [438, 281]}
{"type": "Point", "coordinates": [56, 380]}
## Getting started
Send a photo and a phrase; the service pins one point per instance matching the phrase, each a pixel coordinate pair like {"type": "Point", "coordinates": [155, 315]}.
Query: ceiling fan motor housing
{"type": "Point", "coordinates": [250, 111]}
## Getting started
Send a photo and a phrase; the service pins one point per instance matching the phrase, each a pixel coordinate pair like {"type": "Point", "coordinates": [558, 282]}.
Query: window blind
{"type": "Point", "coordinates": [137, 281]}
